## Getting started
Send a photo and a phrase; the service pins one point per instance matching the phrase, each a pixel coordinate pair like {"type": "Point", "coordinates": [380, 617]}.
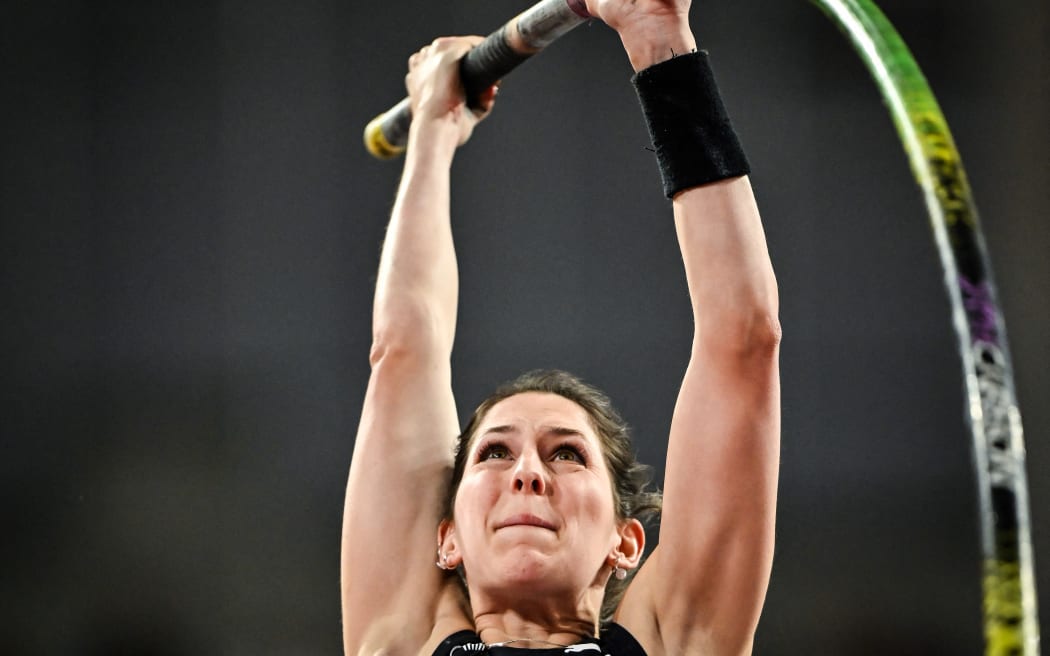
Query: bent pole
{"type": "Point", "coordinates": [1008, 576]}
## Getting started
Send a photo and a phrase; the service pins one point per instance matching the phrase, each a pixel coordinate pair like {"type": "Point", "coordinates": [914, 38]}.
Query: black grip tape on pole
{"type": "Point", "coordinates": [485, 64]}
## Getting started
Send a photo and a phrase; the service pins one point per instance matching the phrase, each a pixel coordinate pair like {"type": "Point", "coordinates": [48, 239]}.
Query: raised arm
{"type": "Point", "coordinates": [723, 453]}
{"type": "Point", "coordinates": [702, 590]}
{"type": "Point", "coordinates": [391, 589]}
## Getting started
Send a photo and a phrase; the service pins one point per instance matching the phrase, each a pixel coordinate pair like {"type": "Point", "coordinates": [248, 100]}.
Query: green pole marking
{"type": "Point", "coordinates": [1010, 619]}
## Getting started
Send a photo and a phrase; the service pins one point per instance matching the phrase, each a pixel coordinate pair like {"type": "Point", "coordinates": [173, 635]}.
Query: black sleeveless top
{"type": "Point", "coordinates": [615, 641]}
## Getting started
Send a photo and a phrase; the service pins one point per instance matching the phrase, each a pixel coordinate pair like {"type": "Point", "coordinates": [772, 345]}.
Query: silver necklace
{"type": "Point", "coordinates": [507, 642]}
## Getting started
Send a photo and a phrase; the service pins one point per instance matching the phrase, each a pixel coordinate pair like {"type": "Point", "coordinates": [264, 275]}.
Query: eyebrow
{"type": "Point", "coordinates": [561, 431]}
{"type": "Point", "coordinates": [502, 430]}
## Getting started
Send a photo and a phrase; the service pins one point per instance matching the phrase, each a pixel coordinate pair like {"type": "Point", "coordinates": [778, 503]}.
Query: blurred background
{"type": "Point", "coordinates": [190, 235]}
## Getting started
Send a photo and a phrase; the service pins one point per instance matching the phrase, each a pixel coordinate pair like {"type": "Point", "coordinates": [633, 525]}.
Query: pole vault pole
{"type": "Point", "coordinates": [1008, 576]}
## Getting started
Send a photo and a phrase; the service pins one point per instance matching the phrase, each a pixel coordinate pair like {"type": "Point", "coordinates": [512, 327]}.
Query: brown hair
{"type": "Point", "coordinates": [630, 478]}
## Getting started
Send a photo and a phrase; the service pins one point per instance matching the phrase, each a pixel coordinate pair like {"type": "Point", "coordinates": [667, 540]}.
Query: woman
{"type": "Point", "coordinates": [532, 513]}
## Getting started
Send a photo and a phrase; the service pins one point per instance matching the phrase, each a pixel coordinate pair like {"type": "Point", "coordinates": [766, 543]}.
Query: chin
{"type": "Point", "coordinates": [524, 567]}
{"type": "Point", "coordinates": [537, 571]}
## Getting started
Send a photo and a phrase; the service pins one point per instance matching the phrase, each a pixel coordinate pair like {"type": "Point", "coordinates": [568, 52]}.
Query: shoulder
{"type": "Point", "coordinates": [414, 630]}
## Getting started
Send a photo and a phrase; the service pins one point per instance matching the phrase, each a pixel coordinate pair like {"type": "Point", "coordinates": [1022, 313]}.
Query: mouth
{"type": "Point", "coordinates": [525, 520]}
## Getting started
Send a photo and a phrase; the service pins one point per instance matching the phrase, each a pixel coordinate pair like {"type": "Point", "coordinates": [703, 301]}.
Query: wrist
{"type": "Point", "coordinates": [650, 43]}
{"type": "Point", "coordinates": [692, 136]}
{"type": "Point", "coordinates": [434, 136]}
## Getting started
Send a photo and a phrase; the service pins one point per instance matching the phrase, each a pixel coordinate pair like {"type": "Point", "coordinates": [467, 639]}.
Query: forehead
{"type": "Point", "coordinates": [533, 409]}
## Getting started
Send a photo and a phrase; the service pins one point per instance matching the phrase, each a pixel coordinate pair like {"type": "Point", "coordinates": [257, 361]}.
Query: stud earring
{"type": "Point", "coordinates": [442, 561]}
{"type": "Point", "coordinates": [620, 573]}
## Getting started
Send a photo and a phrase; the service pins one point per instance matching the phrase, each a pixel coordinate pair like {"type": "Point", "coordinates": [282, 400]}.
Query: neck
{"type": "Point", "coordinates": [536, 615]}
{"type": "Point", "coordinates": [513, 628]}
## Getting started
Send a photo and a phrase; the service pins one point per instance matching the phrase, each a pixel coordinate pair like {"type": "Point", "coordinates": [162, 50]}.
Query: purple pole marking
{"type": "Point", "coordinates": [980, 310]}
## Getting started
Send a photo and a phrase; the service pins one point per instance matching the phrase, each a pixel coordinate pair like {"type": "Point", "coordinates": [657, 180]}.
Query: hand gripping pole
{"type": "Point", "coordinates": [501, 52]}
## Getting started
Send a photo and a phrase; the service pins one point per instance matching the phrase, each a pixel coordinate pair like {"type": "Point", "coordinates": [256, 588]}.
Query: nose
{"type": "Point", "coordinates": [528, 477]}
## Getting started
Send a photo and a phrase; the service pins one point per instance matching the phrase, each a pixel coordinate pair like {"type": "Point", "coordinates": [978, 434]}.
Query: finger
{"type": "Point", "coordinates": [456, 46]}
{"type": "Point", "coordinates": [419, 53]}
{"type": "Point", "coordinates": [488, 97]}
{"type": "Point", "coordinates": [446, 42]}
{"type": "Point", "coordinates": [486, 102]}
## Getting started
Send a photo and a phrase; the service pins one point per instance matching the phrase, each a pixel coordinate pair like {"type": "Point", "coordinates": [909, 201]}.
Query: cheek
{"type": "Point", "coordinates": [473, 499]}
{"type": "Point", "coordinates": [593, 500]}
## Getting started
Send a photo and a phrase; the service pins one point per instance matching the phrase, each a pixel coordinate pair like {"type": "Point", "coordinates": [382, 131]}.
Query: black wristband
{"type": "Point", "coordinates": [693, 138]}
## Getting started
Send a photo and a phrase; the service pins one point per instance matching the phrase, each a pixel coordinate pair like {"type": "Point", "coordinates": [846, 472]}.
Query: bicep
{"type": "Point", "coordinates": [395, 495]}
{"type": "Point", "coordinates": [706, 582]}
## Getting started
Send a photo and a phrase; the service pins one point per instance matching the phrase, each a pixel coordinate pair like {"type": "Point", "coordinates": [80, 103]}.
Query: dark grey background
{"type": "Point", "coordinates": [191, 230]}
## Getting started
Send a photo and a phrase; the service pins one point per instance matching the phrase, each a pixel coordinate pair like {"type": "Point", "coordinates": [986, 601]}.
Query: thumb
{"type": "Point", "coordinates": [488, 98]}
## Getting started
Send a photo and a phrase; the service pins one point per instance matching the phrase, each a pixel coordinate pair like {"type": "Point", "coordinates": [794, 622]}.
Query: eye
{"type": "Point", "coordinates": [569, 453]}
{"type": "Point", "coordinates": [493, 451]}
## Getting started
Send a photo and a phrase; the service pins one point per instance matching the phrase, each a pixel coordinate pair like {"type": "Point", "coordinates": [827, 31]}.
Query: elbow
{"type": "Point", "coordinates": [396, 363]}
{"type": "Point", "coordinates": [759, 336]}
{"type": "Point", "coordinates": [407, 334]}
{"type": "Point", "coordinates": [739, 319]}
{"type": "Point", "coordinates": [765, 333]}
{"type": "Point", "coordinates": [384, 351]}
{"type": "Point", "coordinates": [748, 335]}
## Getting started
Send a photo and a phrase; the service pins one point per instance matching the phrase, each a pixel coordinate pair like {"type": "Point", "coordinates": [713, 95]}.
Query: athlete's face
{"type": "Point", "coordinates": [535, 503]}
